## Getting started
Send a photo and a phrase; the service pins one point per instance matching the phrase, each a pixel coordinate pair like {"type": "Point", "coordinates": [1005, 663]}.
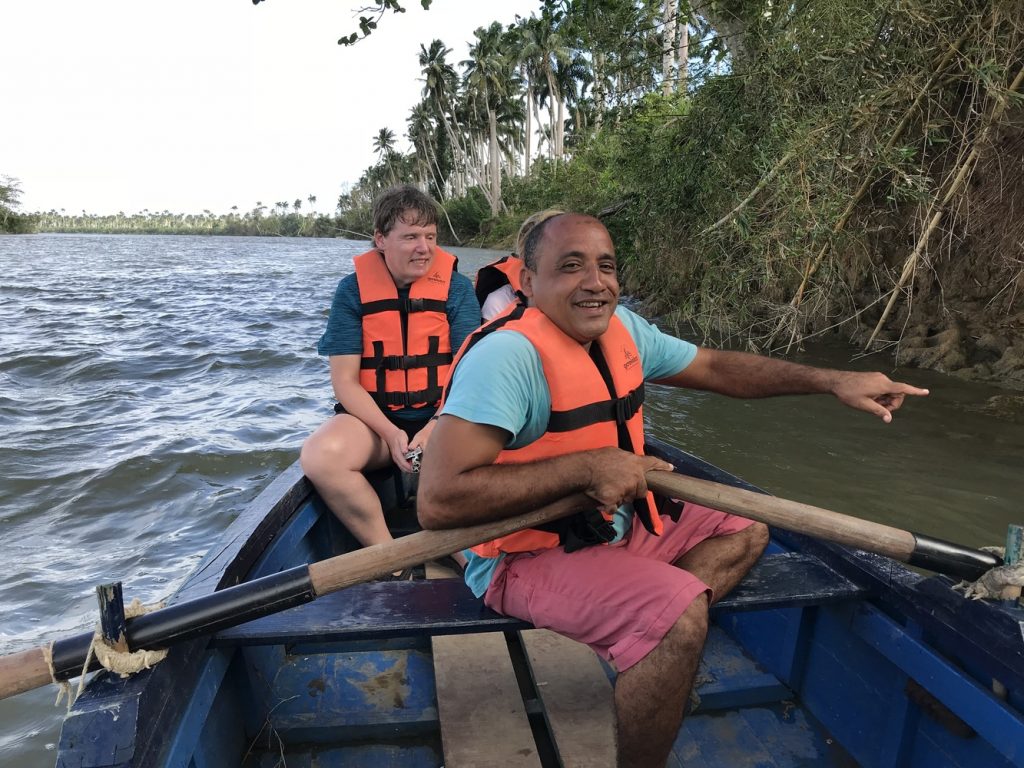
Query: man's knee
{"type": "Point", "coordinates": [757, 537]}
{"type": "Point", "coordinates": [691, 629]}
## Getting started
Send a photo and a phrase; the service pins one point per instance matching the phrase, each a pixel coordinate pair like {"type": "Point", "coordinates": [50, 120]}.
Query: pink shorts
{"type": "Point", "coordinates": [621, 599]}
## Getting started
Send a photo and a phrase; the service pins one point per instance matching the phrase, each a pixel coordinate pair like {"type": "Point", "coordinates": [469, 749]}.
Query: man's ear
{"type": "Point", "coordinates": [526, 281]}
{"type": "Point", "coordinates": [378, 240]}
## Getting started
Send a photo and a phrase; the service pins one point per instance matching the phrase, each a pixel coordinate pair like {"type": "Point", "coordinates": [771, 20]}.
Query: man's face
{"type": "Point", "coordinates": [408, 249]}
{"type": "Point", "coordinates": [575, 283]}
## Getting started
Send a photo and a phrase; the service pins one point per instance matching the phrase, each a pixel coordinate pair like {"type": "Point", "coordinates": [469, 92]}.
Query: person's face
{"type": "Point", "coordinates": [575, 283]}
{"type": "Point", "coordinates": [408, 250]}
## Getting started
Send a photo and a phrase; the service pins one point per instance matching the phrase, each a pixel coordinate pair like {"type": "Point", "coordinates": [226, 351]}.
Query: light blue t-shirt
{"type": "Point", "coordinates": [501, 383]}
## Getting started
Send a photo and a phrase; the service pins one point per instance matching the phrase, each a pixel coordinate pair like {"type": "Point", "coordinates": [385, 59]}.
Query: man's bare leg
{"type": "Point", "coordinates": [650, 696]}
{"type": "Point", "coordinates": [723, 561]}
{"type": "Point", "coordinates": [334, 459]}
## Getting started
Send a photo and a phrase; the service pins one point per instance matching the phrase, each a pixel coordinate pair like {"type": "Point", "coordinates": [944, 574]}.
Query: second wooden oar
{"type": "Point", "coordinates": [907, 547]}
{"type": "Point", "coordinates": [261, 597]}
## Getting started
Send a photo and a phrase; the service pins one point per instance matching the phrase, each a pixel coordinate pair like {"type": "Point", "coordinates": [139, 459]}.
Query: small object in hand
{"type": "Point", "coordinates": [413, 457]}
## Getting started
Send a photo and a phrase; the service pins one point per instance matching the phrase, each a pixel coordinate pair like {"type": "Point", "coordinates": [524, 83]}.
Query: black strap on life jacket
{"type": "Point", "coordinates": [619, 409]}
{"type": "Point", "coordinates": [486, 330]}
{"type": "Point", "coordinates": [490, 279]}
{"type": "Point", "coordinates": [382, 363]}
{"type": "Point", "coordinates": [640, 506]}
{"type": "Point", "coordinates": [404, 305]}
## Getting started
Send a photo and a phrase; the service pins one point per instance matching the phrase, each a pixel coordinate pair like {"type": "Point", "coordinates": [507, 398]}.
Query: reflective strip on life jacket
{"type": "Point", "coordinates": [584, 413]}
{"type": "Point", "coordinates": [406, 342]}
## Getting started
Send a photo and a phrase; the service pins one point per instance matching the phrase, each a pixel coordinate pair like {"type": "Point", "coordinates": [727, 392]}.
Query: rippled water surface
{"type": "Point", "coordinates": [151, 386]}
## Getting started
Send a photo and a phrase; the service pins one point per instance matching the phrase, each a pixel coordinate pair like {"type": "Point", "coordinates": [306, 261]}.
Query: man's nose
{"type": "Point", "coordinates": [593, 278]}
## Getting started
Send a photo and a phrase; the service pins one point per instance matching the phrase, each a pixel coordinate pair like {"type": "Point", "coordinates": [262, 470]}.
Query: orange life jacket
{"type": "Point", "coordinates": [589, 409]}
{"type": "Point", "coordinates": [505, 271]}
{"type": "Point", "coordinates": [407, 346]}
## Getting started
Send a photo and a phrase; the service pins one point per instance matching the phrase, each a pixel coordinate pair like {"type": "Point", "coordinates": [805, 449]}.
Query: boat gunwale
{"type": "Point", "coordinates": [990, 633]}
{"type": "Point", "coordinates": [149, 697]}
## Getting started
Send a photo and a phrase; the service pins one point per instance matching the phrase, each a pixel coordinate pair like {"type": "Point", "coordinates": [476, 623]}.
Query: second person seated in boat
{"type": "Point", "coordinates": [498, 284]}
{"type": "Point", "coordinates": [393, 326]}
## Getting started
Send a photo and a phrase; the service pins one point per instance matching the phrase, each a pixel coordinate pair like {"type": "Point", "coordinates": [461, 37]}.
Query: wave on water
{"type": "Point", "coordinates": [150, 387]}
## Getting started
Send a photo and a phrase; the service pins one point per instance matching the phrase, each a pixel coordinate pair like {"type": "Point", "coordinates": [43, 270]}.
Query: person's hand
{"type": "Point", "coordinates": [873, 392]}
{"type": "Point", "coordinates": [398, 445]}
{"type": "Point", "coordinates": [618, 476]}
{"type": "Point", "coordinates": [419, 440]}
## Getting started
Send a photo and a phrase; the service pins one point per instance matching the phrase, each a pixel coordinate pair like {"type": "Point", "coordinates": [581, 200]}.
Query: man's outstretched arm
{"type": "Point", "coordinates": [460, 485]}
{"type": "Point", "coordinates": [739, 374]}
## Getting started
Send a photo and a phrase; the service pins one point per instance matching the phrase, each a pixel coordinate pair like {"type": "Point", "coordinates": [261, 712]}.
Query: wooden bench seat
{"type": "Point", "coordinates": [384, 610]}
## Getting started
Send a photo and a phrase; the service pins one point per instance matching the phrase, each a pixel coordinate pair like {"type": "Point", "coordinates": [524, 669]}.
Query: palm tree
{"type": "Point", "coordinates": [543, 48]}
{"type": "Point", "coordinates": [440, 87]}
{"type": "Point", "coordinates": [430, 149]}
{"type": "Point", "coordinates": [384, 146]}
{"type": "Point", "coordinates": [491, 82]}
{"type": "Point", "coordinates": [384, 143]}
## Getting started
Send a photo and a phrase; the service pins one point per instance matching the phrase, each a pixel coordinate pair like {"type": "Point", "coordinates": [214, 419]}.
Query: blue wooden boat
{"type": "Point", "coordinates": [824, 656]}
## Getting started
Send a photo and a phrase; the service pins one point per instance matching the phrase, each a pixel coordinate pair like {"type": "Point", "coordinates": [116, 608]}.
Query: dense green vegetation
{"type": "Point", "coordinates": [769, 170]}
{"type": "Point", "coordinates": [10, 219]}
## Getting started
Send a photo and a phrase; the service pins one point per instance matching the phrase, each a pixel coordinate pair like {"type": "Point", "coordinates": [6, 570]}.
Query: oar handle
{"type": "Point", "coordinates": [905, 546]}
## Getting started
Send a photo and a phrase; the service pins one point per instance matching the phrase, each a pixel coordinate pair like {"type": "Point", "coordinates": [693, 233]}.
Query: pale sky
{"type": "Point", "coordinates": [123, 105]}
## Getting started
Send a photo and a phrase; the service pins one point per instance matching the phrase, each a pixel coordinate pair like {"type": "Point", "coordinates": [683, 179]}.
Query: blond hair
{"type": "Point", "coordinates": [532, 221]}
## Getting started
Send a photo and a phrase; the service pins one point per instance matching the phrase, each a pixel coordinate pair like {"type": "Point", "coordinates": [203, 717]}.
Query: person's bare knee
{"type": "Point", "coordinates": [340, 445]}
{"type": "Point", "coordinates": [753, 540]}
{"type": "Point", "coordinates": [722, 561]}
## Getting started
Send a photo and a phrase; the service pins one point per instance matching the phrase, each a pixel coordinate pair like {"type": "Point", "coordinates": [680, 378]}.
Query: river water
{"type": "Point", "coordinates": [151, 386]}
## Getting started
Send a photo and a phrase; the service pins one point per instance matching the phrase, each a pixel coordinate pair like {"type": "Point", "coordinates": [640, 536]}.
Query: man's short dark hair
{"type": "Point", "coordinates": [529, 254]}
{"type": "Point", "coordinates": [403, 202]}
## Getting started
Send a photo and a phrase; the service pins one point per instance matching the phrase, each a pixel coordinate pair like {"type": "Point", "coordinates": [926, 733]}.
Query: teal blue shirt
{"type": "Point", "coordinates": [501, 383]}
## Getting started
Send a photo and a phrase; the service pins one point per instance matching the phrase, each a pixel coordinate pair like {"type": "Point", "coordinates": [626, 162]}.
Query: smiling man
{"type": "Point", "coordinates": [545, 402]}
{"type": "Point", "coordinates": [393, 325]}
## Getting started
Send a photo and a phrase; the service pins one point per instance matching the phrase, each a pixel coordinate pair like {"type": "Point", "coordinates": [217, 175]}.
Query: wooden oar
{"type": "Point", "coordinates": [230, 607]}
{"type": "Point", "coordinates": [261, 597]}
{"type": "Point", "coordinates": [907, 547]}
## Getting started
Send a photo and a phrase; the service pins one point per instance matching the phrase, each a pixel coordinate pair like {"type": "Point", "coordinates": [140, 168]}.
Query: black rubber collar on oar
{"type": "Point", "coordinates": [953, 559]}
{"type": "Point", "coordinates": [196, 618]}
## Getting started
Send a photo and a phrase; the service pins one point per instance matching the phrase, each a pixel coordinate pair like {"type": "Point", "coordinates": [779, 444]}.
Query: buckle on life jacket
{"type": "Point", "coordinates": [412, 305]}
{"type": "Point", "coordinates": [586, 528]}
{"type": "Point", "coordinates": [398, 362]}
{"type": "Point", "coordinates": [626, 407]}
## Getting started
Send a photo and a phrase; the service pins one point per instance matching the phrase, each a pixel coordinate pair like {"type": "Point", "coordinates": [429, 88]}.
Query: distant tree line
{"type": "Point", "coordinates": [284, 219]}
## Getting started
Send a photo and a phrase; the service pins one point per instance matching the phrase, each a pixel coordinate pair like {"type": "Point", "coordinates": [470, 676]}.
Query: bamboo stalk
{"type": "Point", "coordinates": [958, 180]}
{"type": "Point", "coordinates": [813, 264]}
{"type": "Point", "coordinates": [764, 182]}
